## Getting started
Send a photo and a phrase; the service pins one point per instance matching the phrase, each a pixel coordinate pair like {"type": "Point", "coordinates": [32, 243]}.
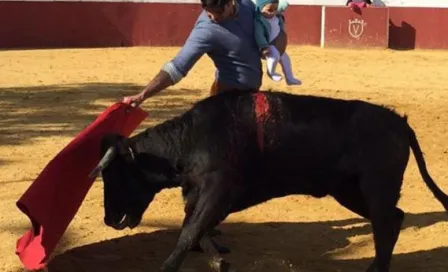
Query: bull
{"type": "Point", "coordinates": [227, 155]}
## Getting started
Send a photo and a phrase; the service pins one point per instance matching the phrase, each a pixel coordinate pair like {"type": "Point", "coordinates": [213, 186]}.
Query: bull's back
{"type": "Point", "coordinates": [308, 136]}
{"type": "Point", "coordinates": [315, 143]}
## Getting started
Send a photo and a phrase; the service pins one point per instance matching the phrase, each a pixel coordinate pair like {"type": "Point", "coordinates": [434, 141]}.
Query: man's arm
{"type": "Point", "coordinates": [260, 38]}
{"type": "Point", "coordinates": [160, 82]}
{"type": "Point", "coordinates": [198, 43]}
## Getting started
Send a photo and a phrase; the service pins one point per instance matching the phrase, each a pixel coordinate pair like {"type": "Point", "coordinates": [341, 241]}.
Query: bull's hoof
{"type": "Point", "coordinates": [374, 268]}
{"type": "Point", "coordinates": [167, 269]}
{"type": "Point", "coordinates": [220, 265]}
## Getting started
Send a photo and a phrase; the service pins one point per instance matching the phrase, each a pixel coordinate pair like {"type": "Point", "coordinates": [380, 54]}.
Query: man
{"type": "Point", "coordinates": [359, 3]}
{"type": "Point", "coordinates": [225, 32]}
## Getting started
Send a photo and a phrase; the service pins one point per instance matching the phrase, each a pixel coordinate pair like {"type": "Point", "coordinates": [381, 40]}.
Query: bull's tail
{"type": "Point", "coordinates": [418, 154]}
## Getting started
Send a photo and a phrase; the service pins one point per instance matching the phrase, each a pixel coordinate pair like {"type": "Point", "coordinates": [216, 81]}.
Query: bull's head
{"type": "Point", "coordinates": [131, 182]}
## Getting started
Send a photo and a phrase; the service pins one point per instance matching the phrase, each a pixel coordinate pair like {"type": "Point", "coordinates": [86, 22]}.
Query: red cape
{"type": "Point", "coordinates": [55, 196]}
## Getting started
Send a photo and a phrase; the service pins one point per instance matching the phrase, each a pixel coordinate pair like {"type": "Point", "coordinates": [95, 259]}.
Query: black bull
{"type": "Point", "coordinates": [352, 150]}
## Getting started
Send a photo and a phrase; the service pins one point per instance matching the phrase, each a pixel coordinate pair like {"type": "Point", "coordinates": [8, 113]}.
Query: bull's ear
{"type": "Point", "coordinates": [121, 143]}
{"type": "Point", "coordinates": [108, 152]}
{"type": "Point", "coordinates": [125, 150]}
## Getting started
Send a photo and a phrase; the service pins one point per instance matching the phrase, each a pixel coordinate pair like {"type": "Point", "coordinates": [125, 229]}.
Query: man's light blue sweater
{"type": "Point", "coordinates": [231, 46]}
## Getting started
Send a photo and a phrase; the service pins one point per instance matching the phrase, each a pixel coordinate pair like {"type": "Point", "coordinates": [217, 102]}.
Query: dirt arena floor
{"type": "Point", "coordinates": [48, 96]}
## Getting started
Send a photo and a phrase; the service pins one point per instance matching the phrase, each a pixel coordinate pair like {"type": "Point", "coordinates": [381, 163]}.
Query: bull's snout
{"type": "Point", "coordinates": [120, 223]}
{"type": "Point", "coordinates": [116, 222]}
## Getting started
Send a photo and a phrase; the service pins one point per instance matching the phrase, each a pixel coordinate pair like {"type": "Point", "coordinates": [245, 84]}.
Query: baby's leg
{"type": "Point", "coordinates": [271, 62]}
{"type": "Point", "coordinates": [285, 62]}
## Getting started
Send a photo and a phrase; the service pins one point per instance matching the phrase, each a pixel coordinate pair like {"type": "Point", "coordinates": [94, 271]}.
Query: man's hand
{"type": "Point", "coordinates": [156, 85]}
{"type": "Point", "coordinates": [135, 100]}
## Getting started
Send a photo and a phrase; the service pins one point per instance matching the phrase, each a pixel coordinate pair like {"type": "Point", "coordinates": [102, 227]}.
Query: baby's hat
{"type": "Point", "coordinates": [261, 3]}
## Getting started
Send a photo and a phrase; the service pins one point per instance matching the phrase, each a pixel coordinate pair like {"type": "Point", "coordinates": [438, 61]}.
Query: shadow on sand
{"type": "Point", "coordinates": [271, 247]}
{"type": "Point", "coordinates": [65, 110]}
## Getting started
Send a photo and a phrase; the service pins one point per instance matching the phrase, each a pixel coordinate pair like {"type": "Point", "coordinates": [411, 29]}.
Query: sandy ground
{"type": "Point", "coordinates": [48, 96]}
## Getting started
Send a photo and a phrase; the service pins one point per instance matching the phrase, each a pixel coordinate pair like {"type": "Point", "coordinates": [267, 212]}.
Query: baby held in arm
{"type": "Point", "coordinates": [271, 39]}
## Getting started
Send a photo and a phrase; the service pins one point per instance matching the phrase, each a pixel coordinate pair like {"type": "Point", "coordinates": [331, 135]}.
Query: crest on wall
{"type": "Point", "coordinates": [356, 28]}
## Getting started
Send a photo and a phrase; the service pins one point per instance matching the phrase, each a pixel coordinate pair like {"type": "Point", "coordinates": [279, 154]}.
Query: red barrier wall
{"type": "Point", "coordinates": [425, 28]}
{"type": "Point", "coordinates": [366, 27]}
{"type": "Point", "coordinates": [303, 24]}
{"type": "Point", "coordinates": [94, 24]}
{"type": "Point", "coordinates": [100, 24]}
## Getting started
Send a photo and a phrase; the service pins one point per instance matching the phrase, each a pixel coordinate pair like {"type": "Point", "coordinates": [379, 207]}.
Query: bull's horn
{"type": "Point", "coordinates": [105, 160]}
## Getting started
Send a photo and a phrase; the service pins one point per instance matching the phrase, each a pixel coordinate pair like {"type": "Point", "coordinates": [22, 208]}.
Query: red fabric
{"type": "Point", "coordinates": [261, 114]}
{"type": "Point", "coordinates": [357, 5]}
{"type": "Point", "coordinates": [55, 196]}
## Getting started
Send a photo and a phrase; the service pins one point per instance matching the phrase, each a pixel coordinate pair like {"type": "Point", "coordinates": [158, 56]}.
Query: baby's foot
{"type": "Point", "coordinates": [293, 81]}
{"type": "Point", "coordinates": [275, 77]}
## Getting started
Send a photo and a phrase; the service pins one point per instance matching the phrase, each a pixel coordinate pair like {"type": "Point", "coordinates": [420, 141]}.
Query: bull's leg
{"type": "Point", "coordinates": [220, 249]}
{"type": "Point", "coordinates": [353, 199]}
{"type": "Point", "coordinates": [209, 246]}
{"type": "Point", "coordinates": [386, 229]}
{"type": "Point", "coordinates": [191, 201]}
{"type": "Point", "coordinates": [211, 208]}
{"type": "Point", "coordinates": [386, 218]}
{"type": "Point", "coordinates": [215, 232]}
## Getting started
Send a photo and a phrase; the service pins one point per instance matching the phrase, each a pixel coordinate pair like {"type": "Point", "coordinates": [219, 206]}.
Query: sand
{"type": "Point", "coordinates": [48, 96]}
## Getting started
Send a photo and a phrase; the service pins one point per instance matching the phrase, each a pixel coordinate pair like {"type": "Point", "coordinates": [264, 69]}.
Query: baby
{"type": "Point", "coordinates": [269, 22]}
